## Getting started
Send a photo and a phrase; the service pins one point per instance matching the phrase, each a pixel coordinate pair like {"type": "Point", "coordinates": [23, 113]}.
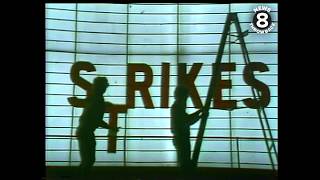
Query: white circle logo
{"type": "Point", "coordinates": [262, 21]}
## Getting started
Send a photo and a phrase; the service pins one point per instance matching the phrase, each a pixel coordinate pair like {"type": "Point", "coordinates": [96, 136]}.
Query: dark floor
{"type": "Point", "coordinates": [160, 173]}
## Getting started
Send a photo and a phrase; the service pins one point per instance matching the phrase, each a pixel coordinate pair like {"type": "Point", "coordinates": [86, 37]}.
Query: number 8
{"type": "Point", "coordinates": [264, 21]}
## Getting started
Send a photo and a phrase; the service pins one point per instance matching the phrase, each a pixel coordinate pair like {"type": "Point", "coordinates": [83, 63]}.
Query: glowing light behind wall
{"type": "Point", "coordinates": [112, 35]}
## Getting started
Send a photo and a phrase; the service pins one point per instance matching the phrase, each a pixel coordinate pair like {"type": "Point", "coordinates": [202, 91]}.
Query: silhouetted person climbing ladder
{"type": "Point", "coordinates": [180, 127]}
{"type": "Point", "coordinates": [92, 118]}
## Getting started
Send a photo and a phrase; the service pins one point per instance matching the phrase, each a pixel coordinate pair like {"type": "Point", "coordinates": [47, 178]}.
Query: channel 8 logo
{"type": "Point", "coordinates": [262, 20]}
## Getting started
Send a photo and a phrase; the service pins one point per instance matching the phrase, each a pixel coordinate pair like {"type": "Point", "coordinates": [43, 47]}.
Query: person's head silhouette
{"type": "Point", "coordinates": [100, 85]}
{"type": "Point", "coordinates": [181, 93]}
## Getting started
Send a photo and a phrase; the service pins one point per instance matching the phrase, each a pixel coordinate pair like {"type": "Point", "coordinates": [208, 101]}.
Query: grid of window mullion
{"type": "Point", "coordinates": [229, 91]}
{"type": "Point", "coordinates": [126, 118]}
{"type": "Point", "coordinates": [177, 51]}
{"type": "Point", "coordinates": [73, 86]}
{"type": "Point", "coordinates": [127, 61]}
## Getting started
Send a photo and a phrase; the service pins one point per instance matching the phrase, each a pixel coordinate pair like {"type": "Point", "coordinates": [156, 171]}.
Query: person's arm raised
{"type": "Point", "coordinates": [194, 117]}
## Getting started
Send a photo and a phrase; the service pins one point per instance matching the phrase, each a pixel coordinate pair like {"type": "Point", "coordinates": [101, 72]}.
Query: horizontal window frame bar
{"type": "Point", "coordinates": [188, 65]}
{"type": "Point", "coordinates": [82, 95]}
{"type": "Point", "coordinates": [170, 137]}
{"type": "Point", "coordinates": [133, 13]}
{"type": "Point", "coordinates": [156, 54]}
{"type": "Point", "coordinates": [160, 150]}
{"type": "Point", "coordinates": [166, 117]}
{"type": "Point", "coordinates": [172, 44]}
{"type": "Point", "coordinates": [146, 24]}
{"type": "Point", "coordinates": [152, 128]}
{"type": "Point", "coordinates": [160, 85]}
{"type": "Point", "coordinates": [158, 107]}
{"type": "Point", "coordinates": [143, 34]}
{"type": "Point", "coordinates": [160, 75]}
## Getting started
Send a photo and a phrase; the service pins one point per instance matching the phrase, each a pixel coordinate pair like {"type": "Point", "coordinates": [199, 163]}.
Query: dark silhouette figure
{"type": "Point", "coordinates": [92, 118]}
{"type": "Point", "coordinates": [180, 127]}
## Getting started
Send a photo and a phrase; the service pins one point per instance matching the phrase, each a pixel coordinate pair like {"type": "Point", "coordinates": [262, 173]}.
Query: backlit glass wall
{"type": "Point", "coordinates": [112, 35]}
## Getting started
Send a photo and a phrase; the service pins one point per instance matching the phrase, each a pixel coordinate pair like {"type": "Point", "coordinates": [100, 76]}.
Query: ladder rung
{"type": "Point", "coordinates": [230, 42]}
{"type": "Point", "coordinates": [270, 147]}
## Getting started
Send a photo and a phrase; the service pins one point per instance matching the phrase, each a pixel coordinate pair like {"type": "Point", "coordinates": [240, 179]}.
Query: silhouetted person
{"type": "Point", "coordinates": [180, 127]}
{"type": "Point", "coordinates": [92, 118]}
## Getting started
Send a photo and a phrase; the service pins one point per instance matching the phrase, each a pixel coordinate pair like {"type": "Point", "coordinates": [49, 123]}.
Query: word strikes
{"type": "Point", "coordinates": [187, 78]}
